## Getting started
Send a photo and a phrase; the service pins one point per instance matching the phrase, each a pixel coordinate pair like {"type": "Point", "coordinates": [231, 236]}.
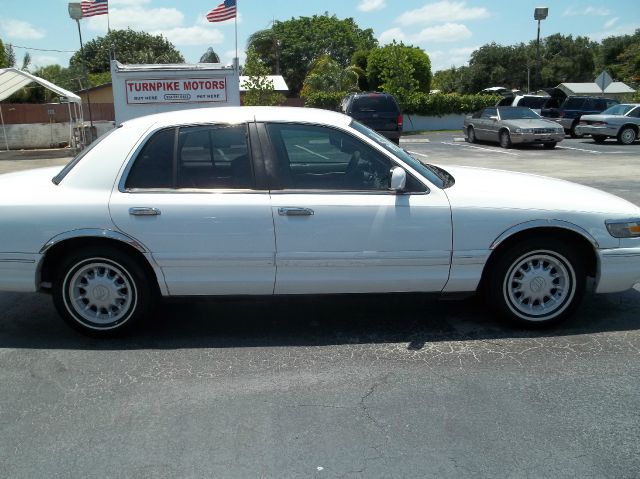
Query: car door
{"type": "Point", "coordinates": [339, 229]}
{"type": "Point", "coordinates": [190, 197]}
{"type": "Point", "coordinates": [485, 129]}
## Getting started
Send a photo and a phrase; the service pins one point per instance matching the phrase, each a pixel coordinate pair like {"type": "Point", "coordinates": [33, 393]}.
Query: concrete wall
{"type": "Point", "coordinates": [430, 123]}
{"type": "Point", "coordinates": [41, 135]}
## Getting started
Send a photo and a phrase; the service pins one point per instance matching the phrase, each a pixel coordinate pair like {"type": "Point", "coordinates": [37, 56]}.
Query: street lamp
{"type": "Point", "coordinates": [540, 13]}
{"type": "Point", "coordinates": [75, 12]}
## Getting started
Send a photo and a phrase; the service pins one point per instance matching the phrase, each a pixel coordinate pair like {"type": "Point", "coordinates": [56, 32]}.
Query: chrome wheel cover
{"type": "Point", "coordinates": [539, 285]}
{"type": "Point", "coordinates": [100, 294]}
{"type": "Point", "coordinates": [628, 136]}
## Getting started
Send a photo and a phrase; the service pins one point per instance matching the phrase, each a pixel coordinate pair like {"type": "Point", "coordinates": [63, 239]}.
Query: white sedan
{"type": "Point", "coordinates": [263, 201]}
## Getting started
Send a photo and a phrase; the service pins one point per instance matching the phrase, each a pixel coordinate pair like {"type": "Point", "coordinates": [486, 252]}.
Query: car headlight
{"type": "Point", "coordinates": [629, 228]}
{"type": "Point", "coordinates": [524, 130]}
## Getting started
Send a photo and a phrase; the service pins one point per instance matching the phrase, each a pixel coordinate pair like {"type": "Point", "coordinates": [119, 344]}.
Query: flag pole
{"type": "Point", "coordinates": [235, 20]}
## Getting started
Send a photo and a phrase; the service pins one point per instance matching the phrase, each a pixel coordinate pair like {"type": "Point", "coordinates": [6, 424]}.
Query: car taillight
{"type": "Point", "coordinates": [399, 120]}
{"type": "Point", "coordinates": [561, 114]}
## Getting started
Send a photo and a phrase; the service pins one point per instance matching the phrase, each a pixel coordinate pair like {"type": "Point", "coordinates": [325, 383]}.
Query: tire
{"type": "Point", "coordinates": [471, 135]}
{"type": "Point", "coordinates": [102, 292]}
{"type": "Point", "coordinates": [550, 146]}
{"type": "Point", "coordinates": [572, 131]}
{"type": "Point", "coordinates": [536, 283]}
{"type": "Point", "coordinates": [627, 135]}
{"type": "Point", "coordinates": [599, 138]}
{"type": "Point", "coordinates": [505, 139]}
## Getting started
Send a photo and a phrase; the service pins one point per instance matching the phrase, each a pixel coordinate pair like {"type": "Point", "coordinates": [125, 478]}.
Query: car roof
{"type": "Point", "coordinates": [239, 114]}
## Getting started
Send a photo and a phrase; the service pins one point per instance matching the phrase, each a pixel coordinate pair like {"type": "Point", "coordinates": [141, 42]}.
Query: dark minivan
{"type": "Point", "coordinates": [379, 111]}
{"type": "Point", "coordinates": [573, 107]}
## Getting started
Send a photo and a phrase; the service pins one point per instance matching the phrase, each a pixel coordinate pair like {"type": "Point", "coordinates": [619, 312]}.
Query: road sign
{"type": "Point", "coordinates": [603, 80]}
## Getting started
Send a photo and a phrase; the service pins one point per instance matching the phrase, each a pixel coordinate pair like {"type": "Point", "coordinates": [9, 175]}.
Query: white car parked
{"type": "Point", "coordinates": [262, 201]}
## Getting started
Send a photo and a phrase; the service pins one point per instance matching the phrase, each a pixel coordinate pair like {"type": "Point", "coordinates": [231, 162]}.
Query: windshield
{"type": "Point", "coordinates": [518, 114]}
{"type": "Point", "coordinates": [533, 101]}
{"type": "Point", "coordinates": [76, 159]}
{"type": "Point", "coordinates": [618, 110]}
{"type": "Point", "coordinates": [435, 175]}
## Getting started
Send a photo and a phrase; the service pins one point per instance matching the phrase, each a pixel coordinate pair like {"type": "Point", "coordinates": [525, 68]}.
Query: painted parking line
{"type": "Point", "coordinates": [417, 154]}
{"type": "Point", "coordinates": [473, 147]}
{"type": "Point", "coordinates": [578, 149]}
{"type": "Point", "coordinates": [415, 140]}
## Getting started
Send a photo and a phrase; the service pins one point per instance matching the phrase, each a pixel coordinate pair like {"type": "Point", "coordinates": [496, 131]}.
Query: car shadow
{"type": "Point", "coordinates": [413, 319]}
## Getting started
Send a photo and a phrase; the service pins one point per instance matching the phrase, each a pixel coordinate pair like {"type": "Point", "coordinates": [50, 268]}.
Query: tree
{"type": "Point", "coordinates": [210, 56]}
{"type": "Point", "coordinates": [4, 62]}
{"type": "Point", "coordinates": [621, 56]}
{"type": "Point", "coordinates": [565, 59]}
{"type": "Point", "coordinates": [359, 64]}
{"type": "Point", "coordinates": [259, 88]}
{"type": "Point", "coordinates": [295, 44]}
{"type": "Point", "coordinates": [327, 76]}
{"type": "Point", "coordinates": [413, 61]}
{"type": "Point", "coordinates": [129, 47]}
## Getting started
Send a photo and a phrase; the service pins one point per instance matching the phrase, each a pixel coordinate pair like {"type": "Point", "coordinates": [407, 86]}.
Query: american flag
{"type": "Point", "coordinates": [223, 12]}
{"type": "Point", "coordinates": [91, 8]}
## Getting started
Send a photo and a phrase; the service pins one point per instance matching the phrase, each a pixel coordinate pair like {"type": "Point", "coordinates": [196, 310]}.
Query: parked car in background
{"type": "Point", "coordinates": [284, 201]}
{"type": "Point", "coordinates": [535, 102]}
{"type": "Point", "coordinates": [620, 121]}
{"type": "Point", "coordinates": [573, 107]}
{"type": "Point", "coordinates": [510, 125]}
{"type": "Point", "coordinates": [379, 111]}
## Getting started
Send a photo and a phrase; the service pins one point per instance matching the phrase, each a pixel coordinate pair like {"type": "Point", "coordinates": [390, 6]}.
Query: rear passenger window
{"type": "Point", "coordinates": [201, 157]}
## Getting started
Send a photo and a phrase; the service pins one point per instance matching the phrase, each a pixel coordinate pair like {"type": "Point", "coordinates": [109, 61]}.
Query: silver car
{"type": "Point", "coordinates": [620, 121]}
{"type": "Point", "coordinates": [510, 125]}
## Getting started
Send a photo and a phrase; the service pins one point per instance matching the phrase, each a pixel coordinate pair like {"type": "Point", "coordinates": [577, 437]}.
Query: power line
{"type": "Point", "coordinates": [42, 49]}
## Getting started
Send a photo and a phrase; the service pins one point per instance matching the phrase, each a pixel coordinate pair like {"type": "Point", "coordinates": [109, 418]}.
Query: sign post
{"type": "Point", "coordinates": [603, 81]}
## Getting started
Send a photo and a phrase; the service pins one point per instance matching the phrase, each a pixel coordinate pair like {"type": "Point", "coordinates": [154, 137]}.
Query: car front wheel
{"type": "Point", "coordinates": [101, 291]}
{"type": "Point", "coordinates": [471, 135]}
{"type": "Point", "coordinates": [505, 139]}
{"type": "Point", "coordinates": [627, 135]}
{"type": "Point", "coordinates": [536, 282]}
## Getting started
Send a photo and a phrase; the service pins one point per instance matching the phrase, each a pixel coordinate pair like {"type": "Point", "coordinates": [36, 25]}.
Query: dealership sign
{"type": "Point", "coordinates": [176, 90]}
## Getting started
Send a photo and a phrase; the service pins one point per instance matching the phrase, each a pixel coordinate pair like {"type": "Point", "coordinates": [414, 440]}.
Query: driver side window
{"type": "Point", "coordinates": [319, 158]}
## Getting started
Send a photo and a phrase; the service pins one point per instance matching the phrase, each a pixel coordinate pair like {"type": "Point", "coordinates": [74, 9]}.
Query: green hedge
{"type": "Point", "coordinates": [439, 104]}
{"type": "Point", "coordinates": [325, 100]}
{"type": "Point", "coordinates": [436, 104]}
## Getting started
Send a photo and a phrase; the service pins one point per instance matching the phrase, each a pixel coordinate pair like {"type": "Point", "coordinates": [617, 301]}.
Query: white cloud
{"type": "Point", "coordinates": [454, 57]}
{"type": "Point", "coordinates": [371, 5]}
{"type": "Point", "coordinates": [20, 30]}
{"type": "Point", "coordinates": [227, 57]}
{"type": "Point", "coordinates": [38, 61]}
{"type": "Point", "coordinates": [138, 19]}
{"type": "Point", "coordinates": [611, 22]}
{"type": "Point", "coordinates": [625, 29]}
{"type": "Point", "coordinates": [449, 32]}
{"type": "Point", "coordinates": [444, 11]}
{"type": "Point", "coordinates": [588, 11]}
{"type": "Point", "coordinates": [128, 2]}
{"type": "Point", "coordinates": [195, 35]}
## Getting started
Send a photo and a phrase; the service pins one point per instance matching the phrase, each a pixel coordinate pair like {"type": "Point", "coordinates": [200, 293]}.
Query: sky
{"type": "Point", "coordinates": [448, 30]}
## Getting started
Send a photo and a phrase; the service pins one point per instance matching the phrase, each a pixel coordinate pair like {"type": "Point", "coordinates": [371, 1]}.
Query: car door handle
{"type": "Point", "coordinates": [295, 212]}
{"type": "Point", "coordinates": [143, 211]}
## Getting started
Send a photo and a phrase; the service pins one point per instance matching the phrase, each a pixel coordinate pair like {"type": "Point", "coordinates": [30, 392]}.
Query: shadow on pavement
{"type": "Point", "coordinates": [30, 321]}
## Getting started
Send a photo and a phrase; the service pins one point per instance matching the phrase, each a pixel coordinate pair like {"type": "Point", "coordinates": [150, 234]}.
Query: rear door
{"type": "Point", "coordinates": [191, 198]}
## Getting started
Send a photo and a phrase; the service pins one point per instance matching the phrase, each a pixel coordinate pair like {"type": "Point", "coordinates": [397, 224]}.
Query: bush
{"type": "Point", "coordinates": [439, 104]}
{"type": "Point", "coordinates": [325, 100]}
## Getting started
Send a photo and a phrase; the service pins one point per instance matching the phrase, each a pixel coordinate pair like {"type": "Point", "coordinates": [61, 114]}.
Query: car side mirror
{"type": "Point", "coordinates": [398, 179]}
{"type": "Point", "coordinates": [494, 118]}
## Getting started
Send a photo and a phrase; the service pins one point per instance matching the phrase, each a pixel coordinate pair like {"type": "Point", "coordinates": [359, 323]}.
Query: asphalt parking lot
{"type": "Point", "coordinates": [376, 386]}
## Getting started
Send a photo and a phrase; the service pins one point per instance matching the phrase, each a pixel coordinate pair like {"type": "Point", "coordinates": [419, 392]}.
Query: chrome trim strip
{"type": "Point", "coordinates": [543, 224]}
{"type": "Point", "coordinates": [27, 261]}
{"type": "Point", "coordinates": [93, 233]}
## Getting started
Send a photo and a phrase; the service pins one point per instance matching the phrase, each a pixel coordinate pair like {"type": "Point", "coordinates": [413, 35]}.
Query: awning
{"type": "Point", "coordinates": [12, 80]}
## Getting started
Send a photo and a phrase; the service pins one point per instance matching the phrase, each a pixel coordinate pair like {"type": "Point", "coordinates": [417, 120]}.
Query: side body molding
{"type": "Point", "coordinates": [93, 233]}
{"type": "Point", "coordinates": [527, 225]}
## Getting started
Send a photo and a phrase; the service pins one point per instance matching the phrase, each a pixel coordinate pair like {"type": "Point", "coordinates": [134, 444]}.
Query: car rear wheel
{"type": "Point", "coordinates": [627, 135]}
{"type": "Point", "coordinates": [550, 145]}
{"type": "Point", "coordinates": [536, 282]}
{"type": "Point", "coordinates": [505, 139]}
{"type": "Point", "coordinates": [471, 135]}
{"type": "Point", "coordinates": [101, 291]}
{"type": "Point", "coordinates": [599, 138]}
{"type": "Point", "coordinates": [573, 132]}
